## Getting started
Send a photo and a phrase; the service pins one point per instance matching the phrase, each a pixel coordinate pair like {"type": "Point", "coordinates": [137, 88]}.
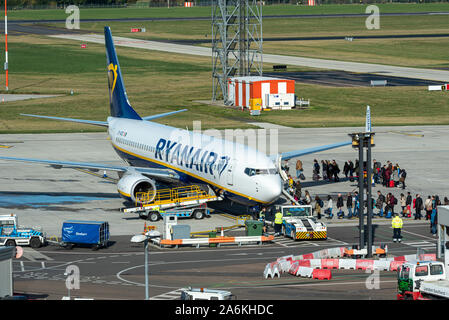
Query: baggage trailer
{"type": "Point", "coordinates": [77, 232]}
{"type": "Point", "coordinates": [196, 211]}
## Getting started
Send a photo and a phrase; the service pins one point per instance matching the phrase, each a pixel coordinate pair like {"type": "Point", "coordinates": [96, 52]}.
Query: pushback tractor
{"type": "Point", "coordinates": [11, 234]}
{"type": "Point", "coordinates": [299, 223]}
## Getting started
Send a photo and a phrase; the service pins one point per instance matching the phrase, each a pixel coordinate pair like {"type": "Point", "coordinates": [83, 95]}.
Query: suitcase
{"type": "Point", "coordinates": [302, 177]}
{"type": "Point", "coordinates": [392, 184]}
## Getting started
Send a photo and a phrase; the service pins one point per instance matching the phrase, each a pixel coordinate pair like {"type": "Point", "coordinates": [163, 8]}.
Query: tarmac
{"type": "Point", "coordinates": [19, 97]}
{"type": "Point", "coordinates": [45, 197]}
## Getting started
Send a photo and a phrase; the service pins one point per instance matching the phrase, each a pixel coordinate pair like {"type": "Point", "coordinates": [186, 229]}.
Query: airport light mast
{"type": "Point", "coordinates": [236, 43]}
{"type": "Point", "coordinates": [361, 141]}
{"type": "Point", "coordinates": [6, 45]}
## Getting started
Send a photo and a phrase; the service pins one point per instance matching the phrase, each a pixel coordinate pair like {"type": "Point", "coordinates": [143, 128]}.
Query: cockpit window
{"type": "Point", "coordinates": [252, 172]}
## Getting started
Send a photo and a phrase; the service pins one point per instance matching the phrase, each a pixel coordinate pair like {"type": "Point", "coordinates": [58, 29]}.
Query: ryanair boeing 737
{"type": "Point", "coordinates": [156, 152]}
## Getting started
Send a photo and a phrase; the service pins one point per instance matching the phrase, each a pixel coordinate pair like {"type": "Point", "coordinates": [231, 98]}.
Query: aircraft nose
{"type": "Point", "coordinates": [273, 188]}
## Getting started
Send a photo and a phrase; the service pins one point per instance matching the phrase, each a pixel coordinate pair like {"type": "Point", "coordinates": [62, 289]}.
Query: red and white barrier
{"type": "Point", "coordinates": [304, 272]}
{"type": "Point", "coordinates": [363, 264]}
{"type": "Point", "coordinates": [381, 265]}
{"type": "Point", "coordinates": [347, 264]}
{"type": "Point", "coordinates": [319, 264]}
{"type": "Point", "coordinates": [322, 274]}
{"type": "Point", "coordinates": [330, 263]}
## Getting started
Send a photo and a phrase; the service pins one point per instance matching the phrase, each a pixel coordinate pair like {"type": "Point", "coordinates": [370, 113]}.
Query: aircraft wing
{"type": "Point", "coordinates": [97, 123]}
{"type": "Point", "coordinates": [157, 116]}
{"type": "Point", "coordinates": [153, 172]}
{"type": "Point", "coordinates": [297, 153]}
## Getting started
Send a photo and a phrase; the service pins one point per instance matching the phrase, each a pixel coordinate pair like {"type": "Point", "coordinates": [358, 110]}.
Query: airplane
{"type": "Point", "coordinates": [160, 153]}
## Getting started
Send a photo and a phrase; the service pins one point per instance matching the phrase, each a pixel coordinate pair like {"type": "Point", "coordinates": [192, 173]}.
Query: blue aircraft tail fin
{"type": "Point", "coordinates": [118, 99]}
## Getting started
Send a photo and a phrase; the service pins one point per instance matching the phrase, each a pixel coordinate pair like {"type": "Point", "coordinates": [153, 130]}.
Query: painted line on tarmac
{"type": "Point", "coordinates": [419, 235]}
{"type": "Point", "coordinates": [118, 275]}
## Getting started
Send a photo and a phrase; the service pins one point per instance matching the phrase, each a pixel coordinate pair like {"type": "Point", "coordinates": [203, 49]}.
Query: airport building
{"type": "Point", "coordinates": [274, 93]}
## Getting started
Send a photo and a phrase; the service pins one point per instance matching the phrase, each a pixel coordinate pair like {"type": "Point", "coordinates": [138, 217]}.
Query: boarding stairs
{"type": "Point", "coordinates": [171, 198]}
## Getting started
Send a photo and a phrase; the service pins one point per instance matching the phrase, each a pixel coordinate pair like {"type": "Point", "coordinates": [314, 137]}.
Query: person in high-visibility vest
{"type": "Point", "coordinates": [277, 223]}
{"type": "Point", "coordinates": [262, 214]}
{"type": "Point", "coordinates": [396, 223]}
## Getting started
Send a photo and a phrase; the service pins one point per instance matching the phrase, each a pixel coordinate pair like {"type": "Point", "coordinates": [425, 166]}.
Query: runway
{"type": "Point", "coordinates": [379, 69]}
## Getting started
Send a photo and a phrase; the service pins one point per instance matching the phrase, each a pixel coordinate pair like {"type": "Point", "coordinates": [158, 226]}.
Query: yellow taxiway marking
{"type": "Point", "coordinates": [408, 134]}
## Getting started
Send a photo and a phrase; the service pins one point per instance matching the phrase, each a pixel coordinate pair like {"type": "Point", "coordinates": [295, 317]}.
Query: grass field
{"type": "Point", "coordinates": [413, 52]}
{"type": "Point", "coordinates": [112, 13]}
{"type": "Point", "coordinates": [159, 82]}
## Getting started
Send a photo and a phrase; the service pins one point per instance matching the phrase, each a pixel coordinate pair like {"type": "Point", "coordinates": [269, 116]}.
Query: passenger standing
{"type": "Point", "coordinates": [298, 192]}
{"type": "Point", "coordinates": [356, 202]}
{"type": "Point", "coordinates": [396, 223]}
{"type": "Point", "coordinates": [299, 169]}
{"type": "Point", "coordinates": [308, 198]}
{"type": "Point", "coordinates": [391, 202]}
{"type": "Point", "coordinates": [330, 170]}
{"type": "Point", "coordinates": [446, 201]}
{"type": "Point", "coordinates": [351, 170]}
{"type": "Point", "coordinates": [380, 203]}
{"type": "Point", "coordinates": [329, 207]}
{"type": "Point", "coordinates": [316, 170]}
{"type": "Point", "coordinates": [408, 203]}
{"type": "Point", "coordinates": [336, 170]}
{"type": "Point", "coordinates": [376, 169]}
{"type": "Point", "coordinates": [403, 205]}
{"type": "Point", "coordinates": [325, 169]}
{"type": "Point", "coordinates": [383, 171]}
{"type": "Point", "coordinates": [387, 177]}
{"type": "Point", "coordinates": [394, 177]}
{"type": "Point", "coordinates": [428, 206]}
{"type": "Point", "coordinates": [346, 169]}
{"type": "Point", "coordinates": [402, 178]}
{"type": "Point", "coordinates": [418, 207]}
{"type": "Point", "coordinates": [318, 205]}
{"type": "Point", "coordinates": [349, 205]}
{"type": "Point", "coordinates": [340, 205]}
{"type": "Point", "coordinates": [434, 222]}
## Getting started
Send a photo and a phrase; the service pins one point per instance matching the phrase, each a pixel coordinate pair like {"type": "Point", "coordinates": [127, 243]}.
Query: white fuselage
{"type": "Point", "coordinates": [243, 174]}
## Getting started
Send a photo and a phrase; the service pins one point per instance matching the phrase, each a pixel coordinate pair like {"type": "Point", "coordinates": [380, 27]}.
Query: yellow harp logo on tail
{"type": "Point", "coordinates": [112, 77]}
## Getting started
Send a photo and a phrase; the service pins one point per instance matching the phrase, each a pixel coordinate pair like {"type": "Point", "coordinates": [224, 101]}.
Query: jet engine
{"type": "Point", "coordinates": [139, 188]}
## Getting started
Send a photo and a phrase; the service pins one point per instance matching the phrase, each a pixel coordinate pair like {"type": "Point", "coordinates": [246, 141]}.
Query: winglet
{"type": "Point", "coordinates": [368, 120]}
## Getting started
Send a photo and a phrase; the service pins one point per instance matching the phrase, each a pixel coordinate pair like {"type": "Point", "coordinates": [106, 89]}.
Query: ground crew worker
{"type": "Point", "coordinates": [396, 223]}
{"type": "Point", "coordinates": [262, 219]}
{"type": "Point", "coordinates": [277, 223]}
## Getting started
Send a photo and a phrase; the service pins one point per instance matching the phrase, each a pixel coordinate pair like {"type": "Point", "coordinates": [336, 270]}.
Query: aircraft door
{"type": "Point", "coordinates": [230, 174]}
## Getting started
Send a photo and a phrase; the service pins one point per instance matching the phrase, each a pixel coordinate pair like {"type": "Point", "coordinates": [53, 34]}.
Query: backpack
{"type": "Point", "coordinates": [395, 201]}
{"type": "Point", "coordinates": [321, 203]}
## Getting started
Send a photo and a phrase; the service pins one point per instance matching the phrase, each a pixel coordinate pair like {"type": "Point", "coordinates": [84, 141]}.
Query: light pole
{"type": "Point", "coordinates": [144, 238]}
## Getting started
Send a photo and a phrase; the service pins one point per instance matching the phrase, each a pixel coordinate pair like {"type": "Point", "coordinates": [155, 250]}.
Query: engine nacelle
{"type": "Point", "coordinates": [132, 185]}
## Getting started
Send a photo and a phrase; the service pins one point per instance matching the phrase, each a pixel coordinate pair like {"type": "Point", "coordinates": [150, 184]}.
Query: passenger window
{"type": "Point", "coordinates": [421, 271]}
{"type": "Point", "coordinates": [436, 269]}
